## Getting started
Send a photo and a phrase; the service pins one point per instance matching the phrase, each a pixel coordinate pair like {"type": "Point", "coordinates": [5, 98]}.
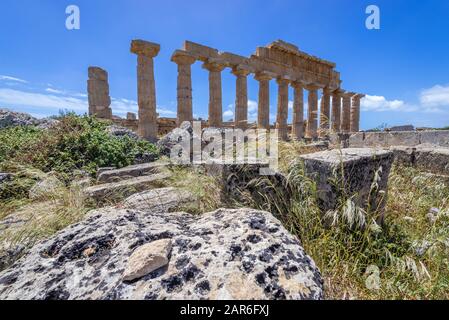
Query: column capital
{"type": "Point", "coordinates": [328, 91]}
{"type": "Point", "coordinates": [348, 94]}
{"type": "Point", "coordinates": [283, 80]}
{"type": "Point", "coordinates": [338, 92]}
{"type": "Point", "coordinates": [145, 48]}
{"type": "Point", "coordinates": [312, 86]}
{"type": "Point", "coordinates": [359, 96]}
{"type": "Point", "coordinates": [182, 58]}
{"type": "Point", "coordinates": [297, 85]}
{"type": "Point", "coordinates": [214, 65]}
{"type": "Point", "coordinates": [264, 76]}
{"type": "Point", "coordinates": [240, 70]}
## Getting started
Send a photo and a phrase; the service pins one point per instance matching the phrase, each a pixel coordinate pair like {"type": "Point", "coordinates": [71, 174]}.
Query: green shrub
{"type": "Point", "coordinates": [75, 143]}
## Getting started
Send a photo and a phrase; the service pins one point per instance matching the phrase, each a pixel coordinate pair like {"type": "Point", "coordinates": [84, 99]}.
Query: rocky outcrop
{"type": "Point", "coordinates": [159, 200]}
{"type": "Point", "coordinates": [47, 186]}
{"type": "Point", "coordinates": [225, 254]}
{"type": "Point", "coordinates": [126, 187]}
{"type": "Point", "coordinates": [14, 119]}
{"type": "Point", "coordinates": [118, 131]}
{"type": "Point", "coordinates": [130, 172]}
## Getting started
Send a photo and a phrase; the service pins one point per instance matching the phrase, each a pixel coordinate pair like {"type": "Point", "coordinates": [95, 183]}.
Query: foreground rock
{"type": "Point", "coordinates": [159, 200]}
{"type": "Point", "coordinates": [356, 169]}
{"type": "Point", "coordinates": [226, 254]}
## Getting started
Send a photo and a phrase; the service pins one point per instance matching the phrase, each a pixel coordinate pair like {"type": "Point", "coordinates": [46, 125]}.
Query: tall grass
{"type": "Point", "coordinates": [360, 255]}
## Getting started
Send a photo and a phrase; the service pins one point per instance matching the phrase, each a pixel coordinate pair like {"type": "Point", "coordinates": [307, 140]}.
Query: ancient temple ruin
{"type": "Point", "coordinates": [279, 61]}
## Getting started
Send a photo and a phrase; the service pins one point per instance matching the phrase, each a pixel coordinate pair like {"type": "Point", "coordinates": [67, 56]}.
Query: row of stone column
{"type": "Point", "coordinates": [349, 122]}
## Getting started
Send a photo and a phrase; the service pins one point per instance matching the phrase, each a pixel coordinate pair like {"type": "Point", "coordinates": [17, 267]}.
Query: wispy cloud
{"type": "Point", "coordinates": [12, 97]}
{"type": "Point", "coordinates": [8, 78]}
{"type": "Point", "coordinates": [435, 98]}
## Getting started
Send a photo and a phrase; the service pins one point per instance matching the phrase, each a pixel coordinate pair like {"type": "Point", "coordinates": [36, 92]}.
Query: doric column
{"type": "Point", "coordinates": [98, 93]}
{"type": "Point", "coordinates": [325, 112]}
{"type": "Point", "coordinates": [263, 112]}
{"type": "Point", "coordinates": [184, 89]}
{"type": "Point", "coordinates": [215, 94]}
{"type": "Point", "coordinates": [146, 92]}
{"type": "Point", "coordinates": [282, 112]}
{"type": "Point", "coordinates": [336, 110]}
{"type": "Point", "coordinates": [241, 98]}
{"type": "Point", "coordinates": [312, 116]}
{"type": "Point", "coordinates": [346, 112]}
{"type": "Point", "coordinates": [298, 111]}
{"type": "Point", "coordinates": [355, 112]}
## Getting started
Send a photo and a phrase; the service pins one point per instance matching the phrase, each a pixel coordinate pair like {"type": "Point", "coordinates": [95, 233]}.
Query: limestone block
{"type": "Point", "coordinates": [439, 138]}
{"type": "Point", "coordinates": [353, 168]}
{"type": "Point", "coordinates": [131, 171]}
{"type": "Point", "coordinates": [147, 258]}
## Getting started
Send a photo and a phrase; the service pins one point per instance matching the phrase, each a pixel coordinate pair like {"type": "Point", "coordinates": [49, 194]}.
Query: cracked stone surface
{"type": "Point", "coordinates": [225, 254]}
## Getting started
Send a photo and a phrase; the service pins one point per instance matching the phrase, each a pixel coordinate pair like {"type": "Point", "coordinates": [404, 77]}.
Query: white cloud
{"type": "Point", "coordinates": [59, 99]}
{"type": "Point", "coordinates": [380, 103]}
{"type": "Point", "coordinates": [41, 100]}
{"type": "Point", "coordinates": [8, 78]}
{"type": "Point", "coordinates": [55, 91]}
{"type": "Point", "coordinates": [435, 97]}
{"type": "Point", "coordinates": [228, 114]}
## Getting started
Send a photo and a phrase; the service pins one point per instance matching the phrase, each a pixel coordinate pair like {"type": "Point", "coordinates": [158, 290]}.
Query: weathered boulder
{"type": "Point", "coordinates": [354, 169]}
{"type": "Point", "coordinates": [47, 186]}
{"type": "Point", "coordinates": [130, 171]}
{"type": "Point", "coordinates": [126, 187]}
{"type": "Point", "coordinates": [159, 200]}
{"type": "Point", "coordinates": [5, 177]}
{"type": "Point", "coordinates": [225, 254]}
{"type": "Point", "coordinates": [118, 131]}
{"type": "Point", "coordinates": [167, 143]}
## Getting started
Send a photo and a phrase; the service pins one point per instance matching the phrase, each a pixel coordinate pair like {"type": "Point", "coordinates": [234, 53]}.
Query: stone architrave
{"type": "Point", "coordinates": [282, 112]}
{"type": "Point", "coordinates": [184, 89]}
{"type": "Point", "coordinates": [241, 99]}
{"type": "Point", "coordinates": [263, 112]}
{"type": "Point", "coordinates": [146, 51]}
{"type": "Point", "coordinates": [98, 93]}
{"type": "Point", "coordinates": [336, 110]}
{"type": "Point", "coordinates": [325, 112]}
{"type": "Point", "coordinates": [355, 113]}
{"type": "Point", "coordinates": [312, 115]}
{"type": "Point", "coordinates": [298, 111]}
{"type": "Point", "coordinates": [215, 94]}
{"type": "Point", "coordinates": [346, 112]}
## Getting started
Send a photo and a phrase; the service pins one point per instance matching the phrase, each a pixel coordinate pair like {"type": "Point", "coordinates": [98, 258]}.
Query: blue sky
{"type": "Point", "coordinates": [403, 67]}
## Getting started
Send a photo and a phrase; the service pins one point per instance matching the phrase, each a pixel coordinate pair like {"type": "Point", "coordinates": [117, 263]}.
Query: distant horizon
{"type": "Point", "coordinates": [402, 67]}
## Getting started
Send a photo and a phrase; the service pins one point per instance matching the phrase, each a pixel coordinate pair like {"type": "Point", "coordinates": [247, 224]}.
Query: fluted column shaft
{"type": "Point", "coordinates": [355, 113]}
{"type": "Point", "coordinates": [298, 112]}
{"type": "Point", "coordinates": [346, 110]}
{"type": "Point", "coordinates": [215, 94]}
{"type": "Point", "coordinates": [282, 112]}
{"type": "Point", "coordinates": [184, 88]}
{"type": "Point", "coordinates": [263, 112]}
{"type": "Point", "coordinates": [241, 99]}
{"type": "Point", "coordinates": [336, 111]}
{"type": "Point", "coordinates": [146, 51]}
{"type": "Point", "coordinates": [312, 117]}
{"type": "Point", "coordinates": [325, 112]}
